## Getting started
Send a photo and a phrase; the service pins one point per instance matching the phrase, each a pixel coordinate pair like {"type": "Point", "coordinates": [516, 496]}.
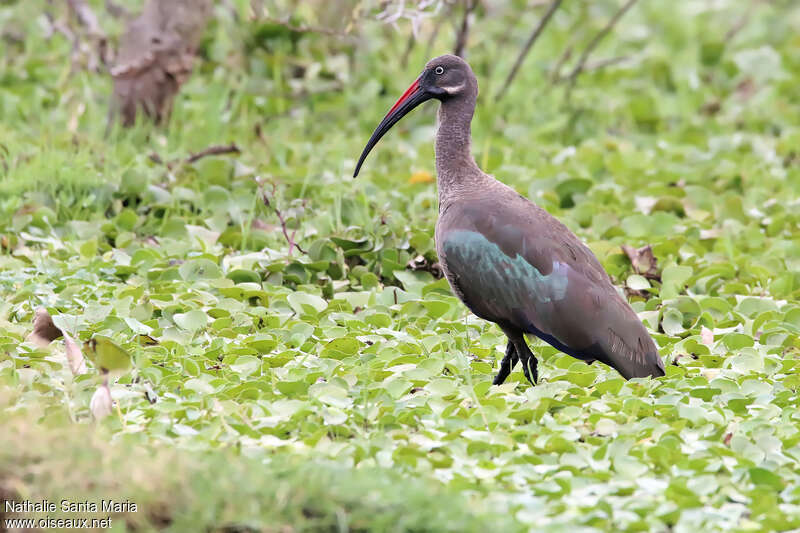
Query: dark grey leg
{"type": "Point", "coordinates": [507, 364]}
{"type": "Point", "coordinates": [529, 363]}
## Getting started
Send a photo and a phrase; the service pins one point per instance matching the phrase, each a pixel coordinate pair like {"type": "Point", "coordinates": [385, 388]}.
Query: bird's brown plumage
{"type": "Point", "coordinates": [510, 261]}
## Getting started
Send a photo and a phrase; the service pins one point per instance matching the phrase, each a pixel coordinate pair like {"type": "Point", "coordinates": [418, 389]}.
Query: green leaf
{"type": "Point", "coordinates": [192, 320]}
{"type": "Point", "coordinates": [199, 269]}
{"type": "Point", "coordinates": [244, 276]}
{"type": "Point", "coordinates": [762, 476]}
{"type": "Point", "coordinates": [306, 303]}
{"type": "Point", "coordinates": [673, 278]}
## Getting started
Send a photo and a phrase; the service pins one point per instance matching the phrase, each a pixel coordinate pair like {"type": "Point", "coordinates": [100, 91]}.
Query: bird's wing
{"type": "Point", "coordinates": [515, 264]}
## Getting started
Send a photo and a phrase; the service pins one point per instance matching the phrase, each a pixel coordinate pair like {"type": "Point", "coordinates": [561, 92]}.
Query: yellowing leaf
{"type": "Point", "coordinates": [421, 176]}
{"type": "Point", "coordinates": [106, 355]}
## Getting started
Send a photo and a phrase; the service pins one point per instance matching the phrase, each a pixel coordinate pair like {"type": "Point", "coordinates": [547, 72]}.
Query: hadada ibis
{"type": "Point", "coordinates": [509, 260]}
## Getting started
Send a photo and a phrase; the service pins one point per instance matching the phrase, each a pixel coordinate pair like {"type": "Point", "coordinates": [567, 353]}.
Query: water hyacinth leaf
{"type": "Point", "coordinates": [246, 365]}
{"type": "Point", "coordinates": [191, 320]}
{"type": "Point", "coordinates": [340, 348]}
{"type": "Point", "coordinates": [244, 276]}
{"type": "Point", "coordinates": [672, 321]}
{"type": "Point", "coordinates": [672, 280]}
{"type": "Point", "coordinates": [637, 283]}
{"type": "Point", "coordinates": [199, 269]}
{"type": "Point", "coordinates": [304, 303]}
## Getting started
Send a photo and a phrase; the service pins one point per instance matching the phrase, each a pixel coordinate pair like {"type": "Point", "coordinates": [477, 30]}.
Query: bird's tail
{"type": "Point", "coordinates": [631, 350]}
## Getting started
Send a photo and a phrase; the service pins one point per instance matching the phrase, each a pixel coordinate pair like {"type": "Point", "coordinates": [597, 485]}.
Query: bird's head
{"type": "Point", "coordinates": [445, 78]}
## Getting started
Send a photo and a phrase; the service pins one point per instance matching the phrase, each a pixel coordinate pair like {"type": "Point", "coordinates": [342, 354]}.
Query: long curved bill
{"type": "Point", "coordinates": [413, 96]}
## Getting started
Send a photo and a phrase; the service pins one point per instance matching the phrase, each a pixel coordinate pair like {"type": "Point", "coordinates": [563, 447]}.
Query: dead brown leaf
{"type": "Point", "coordinates": [711, 108]}
{"type": "Point", "coordinates": [44, 331]}
{"type": "Point", "coordinates": [643, 261]}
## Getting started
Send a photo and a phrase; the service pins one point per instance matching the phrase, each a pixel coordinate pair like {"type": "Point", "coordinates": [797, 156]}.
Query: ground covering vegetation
{"type": "Point", "coordinates": [297, 364]}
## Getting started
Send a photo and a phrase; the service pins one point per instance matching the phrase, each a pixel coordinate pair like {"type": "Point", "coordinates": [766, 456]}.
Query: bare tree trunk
{"type": "Point", "coordinates": [156, 56]}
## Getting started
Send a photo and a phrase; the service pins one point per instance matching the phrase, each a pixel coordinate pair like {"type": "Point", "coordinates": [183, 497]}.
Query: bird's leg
{"type": "Point", "coordinates": [507, 364]}
{"type": "Point", "coordinates": [528, 360]}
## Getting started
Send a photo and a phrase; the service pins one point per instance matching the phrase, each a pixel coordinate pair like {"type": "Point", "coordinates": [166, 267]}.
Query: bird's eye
{"type": "Point", "coordinates": [439, 70]}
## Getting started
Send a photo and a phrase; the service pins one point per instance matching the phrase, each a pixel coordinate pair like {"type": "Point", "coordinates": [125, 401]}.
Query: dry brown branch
{"type": "Point", "coordinates": [213, 150]}
{"type": "Point", "coordinates": [581, 64]}
{"type": "Point", "coordinates": [537, 31]}
{"type": "Point", "coordinates": [463, 32]}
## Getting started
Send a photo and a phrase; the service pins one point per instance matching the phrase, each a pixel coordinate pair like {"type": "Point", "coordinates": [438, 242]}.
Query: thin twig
{"type": "Point", "coordinates": [741, 22]}
{"type": "Point", "coordinates": [506, 36]}
{"type": "Point", "coordinates": [575, 29]}
{"type": "Point", "coordinates": [537, 31]}
{"type": "Point", "coordinates": [289, 238]}
{"type": "Point", "coordinates": [412, 40]}
{"type": "Point", "coordinates": [211, 150]}
{"type": "Point", "coordinates": [214, 150]}
{"type": "Point", "coordinates": [435, 33]}
{"type": "Point", "coordinates": [581, 64]}
{"type": "Point", "coordinates": [600, 64]}
{"type": "Point", "coordinates": [463, 32]}
{"type": "Point", "coordinates": [607, 62]}
{"type": "Point", "coordinates": [555, 73]}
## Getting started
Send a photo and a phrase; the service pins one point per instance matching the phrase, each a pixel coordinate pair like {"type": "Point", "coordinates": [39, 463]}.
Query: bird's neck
{"type": "Point", "coordinates": [457, 173]}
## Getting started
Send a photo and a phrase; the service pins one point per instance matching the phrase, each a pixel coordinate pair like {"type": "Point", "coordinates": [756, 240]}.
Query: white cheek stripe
{"type": "Point", "coordinates": [451, 90]}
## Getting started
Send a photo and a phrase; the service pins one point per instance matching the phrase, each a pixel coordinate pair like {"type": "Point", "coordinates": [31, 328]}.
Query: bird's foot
{"type": "Point", "coordinates": [508, 363]}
